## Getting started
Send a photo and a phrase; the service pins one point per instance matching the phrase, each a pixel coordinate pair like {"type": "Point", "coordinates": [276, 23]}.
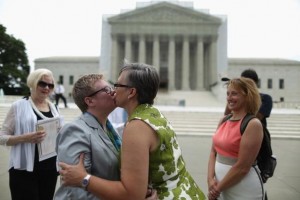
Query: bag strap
{"type": "Point", "coordinates": [245, 122]}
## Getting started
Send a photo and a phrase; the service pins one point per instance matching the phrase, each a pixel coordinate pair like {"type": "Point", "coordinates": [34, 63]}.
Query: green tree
{"type": "Point", "coordinates": [14, 67]}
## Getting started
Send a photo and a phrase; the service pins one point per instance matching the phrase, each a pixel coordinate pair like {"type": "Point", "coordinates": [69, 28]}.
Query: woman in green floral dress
{"type": "Point", "coordinates": [167, 172]}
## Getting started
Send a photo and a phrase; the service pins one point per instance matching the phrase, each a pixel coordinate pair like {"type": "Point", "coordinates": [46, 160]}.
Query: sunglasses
{"type": "Point", "coordinates": [43, 84]}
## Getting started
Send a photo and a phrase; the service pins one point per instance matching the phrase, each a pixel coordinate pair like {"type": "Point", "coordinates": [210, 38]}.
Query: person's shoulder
{"type": "Point", "coordinates": [254, 124]}
{"type": "Point", "coordinates": [137, 124]}
{"type": "Point", "coordinates": [75, 129]}
{"type": "Point", "coordinates": [80, 122]}
{"type": "Point", "coordinates": [254, 121]}
{"type": "Point", "coordinates": [265, 96]}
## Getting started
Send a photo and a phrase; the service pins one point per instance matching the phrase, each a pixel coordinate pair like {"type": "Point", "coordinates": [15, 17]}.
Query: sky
{"type": "Point", "coordinates": [256, 28]}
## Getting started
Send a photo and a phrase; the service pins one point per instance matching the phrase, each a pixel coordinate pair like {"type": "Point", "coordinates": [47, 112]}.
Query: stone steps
{"type": "Point", "coordinates": [279, 125]}
{"type": "Point", "coordinates": [202, 123]}
{"type": "Point", "coordinates": [205, 123]}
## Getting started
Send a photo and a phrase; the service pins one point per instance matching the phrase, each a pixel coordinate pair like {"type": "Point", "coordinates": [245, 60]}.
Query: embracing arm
{"type": "Point", "coordinates": [249, 148]}
{"type": "Point", "coordinates": [134, 167]}
{"type": "Point", "coordinates": [71, 141]}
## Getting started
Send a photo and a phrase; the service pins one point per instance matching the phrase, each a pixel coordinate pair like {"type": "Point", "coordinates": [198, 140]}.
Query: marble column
{"type": "Point", "coordinates": [171, 64]}
{"type": "Point", "coordinates": [213, 62]}
{"type": "Point", "coordinates": [186, 64]}
{"type": "Point", "coordinates": [128, 48]}
{"type": "Point", "coordinates": [114, 58]}
{"type": "Point", "coordinates": [200, 65]}
{"type": "Point", "coordinates": [156, 52]}
{"type": "Point", "coordinates": [142, 49]}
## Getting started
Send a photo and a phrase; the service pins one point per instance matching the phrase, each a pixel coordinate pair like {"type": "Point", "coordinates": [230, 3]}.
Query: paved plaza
{"type": "Point", "coordinates": [285, 185]}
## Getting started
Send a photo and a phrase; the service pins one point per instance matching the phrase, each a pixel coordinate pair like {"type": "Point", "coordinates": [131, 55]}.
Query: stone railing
{"type": "Point", "coordinates": [12, 98]}
{"type": "Point", "coordinates": [286, 105]}
{"type": "Point", "coordinates": [9, 98]}
{"type": "Point", "coordinates": [169, 102]}
{"type": "Point", "coordinates": [157, 101]}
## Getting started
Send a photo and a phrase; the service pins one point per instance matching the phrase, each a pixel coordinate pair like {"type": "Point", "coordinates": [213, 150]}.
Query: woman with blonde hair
{"type": "Point", "coordinates": [30, 178]}
{"type": "Point", "coordinates": [232, 170]}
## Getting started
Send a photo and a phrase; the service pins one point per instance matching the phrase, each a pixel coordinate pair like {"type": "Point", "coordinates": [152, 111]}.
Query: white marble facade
{"type": "Point", "coordinates": [188, 47]}
{"type": "Point", "coordinates": [181, 42]}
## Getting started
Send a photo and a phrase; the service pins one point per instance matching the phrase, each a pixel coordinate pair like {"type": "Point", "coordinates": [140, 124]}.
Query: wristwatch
{"type": "Point", "coordinates": [85, 181]}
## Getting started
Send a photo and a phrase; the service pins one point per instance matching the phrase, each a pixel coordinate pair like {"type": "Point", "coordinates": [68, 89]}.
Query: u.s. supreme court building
{"type": "Point", "coordinates": [187, 46]}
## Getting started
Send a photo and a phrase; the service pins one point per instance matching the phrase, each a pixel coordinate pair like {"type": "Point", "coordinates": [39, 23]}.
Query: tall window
{"type": "Point", "coordinates": [61, 79]}
{"type": "Point", "coordinates": [281, 83]}
{"type": "Point", "coordinates": [259, 83]}
{"type": "Point", "coordinates": [270, 84]}
{"type": "Point", "coordinates": [71, 80]}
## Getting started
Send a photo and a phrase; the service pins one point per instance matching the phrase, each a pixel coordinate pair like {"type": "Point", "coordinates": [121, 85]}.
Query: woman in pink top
{"type": "Point", "coordinates": [232, 174]}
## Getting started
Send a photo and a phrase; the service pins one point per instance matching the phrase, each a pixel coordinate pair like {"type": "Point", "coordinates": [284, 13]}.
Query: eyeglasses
{"type": "Point", "coordinates": [43, 84]}
{"type": "Point", "coordinates": [116, 85]}
{"type": "Point", "coordinates": [106, 89]}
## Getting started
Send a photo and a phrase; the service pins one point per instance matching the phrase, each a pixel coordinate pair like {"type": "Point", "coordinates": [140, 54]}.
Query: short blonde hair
{"type": "Point", "coordinates": [35, 76]}
{"type": "Point", "coordinates": [248, 88]}
{"type": "Point", "coordinates": [83, 87]}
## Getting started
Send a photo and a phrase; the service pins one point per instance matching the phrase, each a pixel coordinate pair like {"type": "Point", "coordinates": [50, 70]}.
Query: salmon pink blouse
{"type": "Point", "coordinates": [227, 138]}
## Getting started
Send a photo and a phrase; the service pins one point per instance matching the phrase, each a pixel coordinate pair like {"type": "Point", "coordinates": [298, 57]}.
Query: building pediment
{"type": "Point", "coordinates": [164, 13]}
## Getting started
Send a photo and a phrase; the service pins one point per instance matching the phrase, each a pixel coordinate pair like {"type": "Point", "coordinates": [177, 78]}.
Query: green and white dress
{"type": "Point", "coordinates": [167, 172]}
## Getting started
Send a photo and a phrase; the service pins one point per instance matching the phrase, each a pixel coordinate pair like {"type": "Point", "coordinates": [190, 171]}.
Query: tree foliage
{"type": "Point", "coordinates": [14, 67]}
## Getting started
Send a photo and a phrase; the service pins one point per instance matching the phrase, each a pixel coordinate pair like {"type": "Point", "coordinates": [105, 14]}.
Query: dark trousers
{"type": "Point", "coordinates": [60, 96]}
{"type": "Point", "coordinates": [37, 185]}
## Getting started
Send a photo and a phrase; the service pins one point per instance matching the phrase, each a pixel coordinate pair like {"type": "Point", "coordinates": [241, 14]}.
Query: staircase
{"type": "Point", "coordinates": [205, 123]}
{"type": "Point", "coordinates": [187, 98]}
{"type": "Point", "coordinates": [199, 121]}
